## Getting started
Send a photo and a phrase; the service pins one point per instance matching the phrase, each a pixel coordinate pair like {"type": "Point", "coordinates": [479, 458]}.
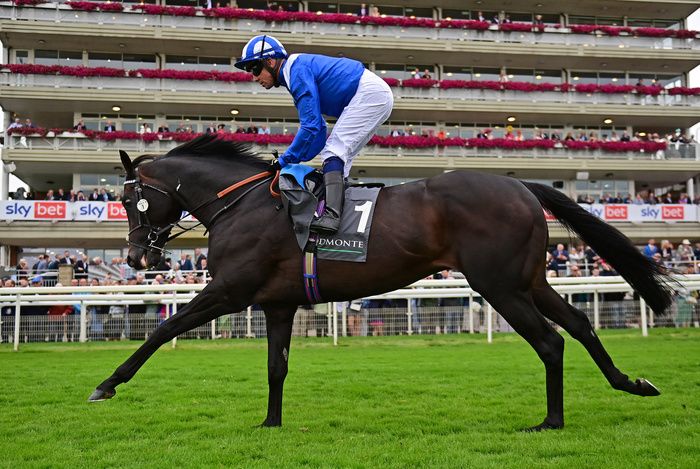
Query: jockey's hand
{"type": "Point", "coordinates": [275, 163]}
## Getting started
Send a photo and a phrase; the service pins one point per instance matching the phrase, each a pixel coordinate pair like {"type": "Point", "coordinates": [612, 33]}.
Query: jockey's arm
{"type": "Point", "coordinates": [311, 138]}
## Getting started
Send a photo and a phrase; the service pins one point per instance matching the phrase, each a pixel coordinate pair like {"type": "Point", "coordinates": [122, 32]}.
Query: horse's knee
{"type": "Point", "coordinates": [551, 350]}
{"type": "Point", "coordinates": [276, 372]}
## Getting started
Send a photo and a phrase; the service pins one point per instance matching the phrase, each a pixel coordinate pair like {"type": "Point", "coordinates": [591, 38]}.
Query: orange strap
{"type": "Point", "coordinates": [272, 185]}
{"type": "Point", "coordinates": [235, 186]}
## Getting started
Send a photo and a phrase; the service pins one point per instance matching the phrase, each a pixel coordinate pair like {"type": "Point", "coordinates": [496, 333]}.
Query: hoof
{"type": "Point", "coordinates": [270, 423]}
{"type": "Point", "coordinates": [542, 427]}
{"type": "Point", "coordinates": [645, 388]}
{"type": "Point", "coordinates": [100, 395]}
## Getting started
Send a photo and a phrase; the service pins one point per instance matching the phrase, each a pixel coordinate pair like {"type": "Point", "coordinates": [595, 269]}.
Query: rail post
{"type": "Point", "coordinates": [489, 323]}
{"type": "Point", "coordinates": [409, 316]}
{"type": "Point", "coordinates": [173, 312]}
{"type": "Point", "coordinates": [213, 329]}
{"type": "Point", "coordinates": [83, 321]}
{"type": "Point", "coordinates": [596, 310]}
{"type": "Point", "coordinates": [643, 313]}
{"type": "Point", "coordinates": [344, 322]}
{"type": "Point", "coordinates": [471, 314]}
{"type": "Point", "coordinates": [334, 313]}
{"type": "Point", "coordinates": [249, 322]}
{"type": "Point", "coordinates": [17, 307]}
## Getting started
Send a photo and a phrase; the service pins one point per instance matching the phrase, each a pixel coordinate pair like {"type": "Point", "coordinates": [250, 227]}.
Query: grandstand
{"type": "Point", "coordinates": [591, 97]}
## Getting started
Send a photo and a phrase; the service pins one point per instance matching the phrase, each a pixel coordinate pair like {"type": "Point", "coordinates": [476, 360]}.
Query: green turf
{"type": "Point", "coordinates": [448, 401]}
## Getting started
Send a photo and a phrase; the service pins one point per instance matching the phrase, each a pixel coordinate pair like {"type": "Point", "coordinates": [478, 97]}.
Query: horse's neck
{"type": "Point", "coordinates": [209, 182]}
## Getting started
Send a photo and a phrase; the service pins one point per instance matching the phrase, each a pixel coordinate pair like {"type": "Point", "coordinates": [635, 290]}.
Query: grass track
{"type": "Point", "coordinates": [447, 401]}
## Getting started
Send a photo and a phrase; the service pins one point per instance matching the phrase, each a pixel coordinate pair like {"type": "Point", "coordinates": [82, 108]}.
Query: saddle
{"type": "Point", "coordinates": [303, 193]}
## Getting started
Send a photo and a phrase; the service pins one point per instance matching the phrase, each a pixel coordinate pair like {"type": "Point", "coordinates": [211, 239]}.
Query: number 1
{"type": "Point", "coordinates": [365, 208]}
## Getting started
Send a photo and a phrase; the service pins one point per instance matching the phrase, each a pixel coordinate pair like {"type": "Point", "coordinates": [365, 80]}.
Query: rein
{"type": "Point", "coordinates": [156, 232]}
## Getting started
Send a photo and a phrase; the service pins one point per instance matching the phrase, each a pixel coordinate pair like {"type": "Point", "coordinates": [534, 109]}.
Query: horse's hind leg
{"type": "Point", "coordinates": [520, 312]}
{"type": "Point", "coordinates": [577, 324]}
{"type": "Point", "coordinates": [279, 320]}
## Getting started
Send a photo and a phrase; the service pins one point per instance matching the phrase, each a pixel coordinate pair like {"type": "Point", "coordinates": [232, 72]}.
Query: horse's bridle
{"type": "Point", "coordinates": [155, 232]}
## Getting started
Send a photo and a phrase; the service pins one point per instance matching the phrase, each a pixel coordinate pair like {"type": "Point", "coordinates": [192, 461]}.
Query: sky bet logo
{"type": "Point", "coordinates": [42, 210]}
{"type": "Point", "coordinates": [103, 211]}
{"type": "Point", "coordinates": [616, 212]}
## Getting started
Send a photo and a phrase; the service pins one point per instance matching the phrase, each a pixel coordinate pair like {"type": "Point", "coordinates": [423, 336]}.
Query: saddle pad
{"type": "Point", "coordinates": [351, 241]}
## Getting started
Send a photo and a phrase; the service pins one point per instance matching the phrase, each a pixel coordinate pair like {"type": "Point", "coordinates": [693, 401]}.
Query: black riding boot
{"type": "Point", "coordinates": [335, 197]}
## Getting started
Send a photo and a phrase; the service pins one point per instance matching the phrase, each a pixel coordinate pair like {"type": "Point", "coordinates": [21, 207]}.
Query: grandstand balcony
{"type": "Point", "coordinates": [60, 157]}
{"type": "Point", "coordinates": [59, 24]}
{"type": "Point", "coordinates": [31, 94]}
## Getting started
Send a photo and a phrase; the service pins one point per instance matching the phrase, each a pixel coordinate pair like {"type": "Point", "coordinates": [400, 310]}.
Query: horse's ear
{"type": "Point", "coordinates": [126, 162]}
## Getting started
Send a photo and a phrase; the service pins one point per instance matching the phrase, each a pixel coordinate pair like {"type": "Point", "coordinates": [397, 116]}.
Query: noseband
{"type": "Point", "coordinates": [155, 232]}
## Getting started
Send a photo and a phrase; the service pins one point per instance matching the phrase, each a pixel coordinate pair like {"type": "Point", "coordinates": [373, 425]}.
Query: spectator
{"type": "Point", "coordinates": [480, 16]}
{"type": "Point", "coordinates": [145, 128]}
{"type": "Point", "coordinates": [503, 76]}
{"type": "Point", "coordinates": [363, 10]}
{"type": "Point", "coordinates": [685, 252]}
{"type": "Point", "coordinates": [667, 251]}
{"type": "Point", "coordinates": [538, 21]}
{"type": "Point", "coordinates": [561, 257]}
{"type": "Point", "coordinates": [110, 127]}
{"type": "Point", "coordinates": [80, 126]}
{"type": "Point", "coordinates": [61, 195]}
{"type": "Point", "coordinates": [80, 196]}
{"type": "Point", "coordinates": [374, 11]}
{"type": "Point", "coordinates": [16, 124]}
{"type": "Point", "coordinates": [104, 196]}
{"type": "Point", "coordinates": [211, 129]}
{"type": "Point", "coordinates": [650, 249]}
{"type": "Point", "coordinates": [426, 75]}
{"type": "Point", "coordinates": [185, 262]}
{"type": "Point", "coordinates": [29, 124]}
{"type": "Point", "coordinates": [198, 257]}
{"type": "Point", "coordinates": [163, 128]}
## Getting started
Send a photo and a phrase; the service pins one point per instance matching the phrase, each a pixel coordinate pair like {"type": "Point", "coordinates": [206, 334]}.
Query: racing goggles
{"type": "Point", "coordinates": [254, 67]}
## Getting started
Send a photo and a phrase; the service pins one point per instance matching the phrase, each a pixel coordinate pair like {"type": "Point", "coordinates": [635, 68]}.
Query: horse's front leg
{"type": "Point", "coordinates": [279, 320]}
{"type": "Point", "coordinates": [208, 305]}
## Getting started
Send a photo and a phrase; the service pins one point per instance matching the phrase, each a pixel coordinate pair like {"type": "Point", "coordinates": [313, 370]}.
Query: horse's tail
{"type": "Point", "coordinates": [648, 278]}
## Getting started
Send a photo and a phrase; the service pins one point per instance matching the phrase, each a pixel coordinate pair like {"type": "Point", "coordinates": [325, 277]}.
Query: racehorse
{"type": "Point", "coordinates": [489, 227]}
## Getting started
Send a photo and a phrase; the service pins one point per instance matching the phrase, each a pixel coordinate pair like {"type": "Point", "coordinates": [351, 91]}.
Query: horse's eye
{"type": "Point", "coordinates": [126, 203]}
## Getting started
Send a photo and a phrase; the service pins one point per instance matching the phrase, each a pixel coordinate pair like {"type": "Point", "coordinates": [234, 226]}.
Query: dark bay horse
{"type": "Point", "coordinates": [489, 227]}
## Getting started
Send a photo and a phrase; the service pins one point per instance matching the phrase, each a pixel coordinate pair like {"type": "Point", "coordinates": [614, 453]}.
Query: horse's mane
{"type": "Point", "coordinates": [210, 145]}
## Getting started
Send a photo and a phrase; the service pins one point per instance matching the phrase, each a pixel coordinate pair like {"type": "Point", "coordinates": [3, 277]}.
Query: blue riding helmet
{"type": "Point", "coordinates": [261, 47]}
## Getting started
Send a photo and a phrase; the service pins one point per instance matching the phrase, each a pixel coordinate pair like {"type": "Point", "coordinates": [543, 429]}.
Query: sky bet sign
{"type": "Point", "coordinates": [45, 210]}
{"type": "Point", "coordinates": [41, 210]}
{"type": "Point", "coordinates": [642, 213]}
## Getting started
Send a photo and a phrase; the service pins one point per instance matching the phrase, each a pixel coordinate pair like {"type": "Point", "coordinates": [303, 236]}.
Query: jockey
{"type": "Point", "coordinates": [322, 85]}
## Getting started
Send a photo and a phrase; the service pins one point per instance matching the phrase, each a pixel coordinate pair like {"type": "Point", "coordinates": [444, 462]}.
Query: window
{"type": "Point", "coordinates": [105, 59]}
{"type": "Point", "coordinates": [324, 7]}
{"type": "Point", "coordinates": [46, 57]}
{"type": "Point", "coordinates": [21, 56]}
{"type": "Point", "coordinates": [456, 14]}
{"type": "Point", "coordinates": [491, 74]}
{"type": "Point", "coordinates": [133, 61]}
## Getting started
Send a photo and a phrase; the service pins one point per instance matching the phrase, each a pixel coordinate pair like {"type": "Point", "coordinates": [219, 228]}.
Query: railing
{"type": "Point", "coordinates": [414, 314]}
{"type": "Point", "coordinates": [77, 142]}
{"type": "Point", "coordinates": [220, 87]}
{"type": "Point", "coordinates": [58, 13]}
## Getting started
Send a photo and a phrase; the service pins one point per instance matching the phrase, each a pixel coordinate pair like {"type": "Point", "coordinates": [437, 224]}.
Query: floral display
{"type": "Point", "coordinates": [407, 142]}
{"type": "Point", "coordinates": [270, 16]}
{"type": "Point", "coordinates": [240, 77]}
